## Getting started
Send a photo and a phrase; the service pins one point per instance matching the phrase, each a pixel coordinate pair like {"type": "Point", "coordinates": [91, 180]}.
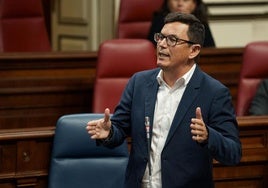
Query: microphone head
{"type": "Point", "coordinates": [147, 121]}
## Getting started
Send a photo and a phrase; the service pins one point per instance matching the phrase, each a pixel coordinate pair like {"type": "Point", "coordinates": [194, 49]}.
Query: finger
{"type": "Point", "coordinates": [91, 123]}
{"type": "Point", "coordinates": [196, 132]}
{"type": "Point", "coordinates": [93, 136]}
{"type": "Point", "coordinates": [92, 129]}
{"type": "Point", "coordinates": [197, 138]}
{"type": "Point", "coordinates": [106, 115]}
{"type": "Point", "coordinates": [90, 126]}
{"type": "Point", "coordinates": [91, 132]}
{"type": "Point", "coordinates": [198, 113]}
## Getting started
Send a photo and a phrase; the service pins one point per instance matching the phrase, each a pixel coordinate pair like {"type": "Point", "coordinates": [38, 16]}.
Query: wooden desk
{"type": "Point", "coordinates": [252, 172]}
{"type": "Point", "coordinates": [25, 155]}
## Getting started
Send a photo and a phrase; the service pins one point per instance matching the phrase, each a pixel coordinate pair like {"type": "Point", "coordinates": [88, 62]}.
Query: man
{"type": "Point", "coordinates": [191, 115]}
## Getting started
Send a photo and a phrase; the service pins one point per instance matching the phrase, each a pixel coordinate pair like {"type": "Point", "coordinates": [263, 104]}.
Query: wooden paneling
{"type": "Point", "coordinates": [223, 64]}
{"type": "Point", "coordinates": [38, 88]}
{"type": "Point", "coordinates": [252, 172]}
{"type": "Point", "coordinates": [24, 157]}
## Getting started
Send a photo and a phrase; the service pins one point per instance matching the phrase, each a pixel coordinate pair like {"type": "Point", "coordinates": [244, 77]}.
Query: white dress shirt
{"type": "Point", "coordinates": [168, 99]}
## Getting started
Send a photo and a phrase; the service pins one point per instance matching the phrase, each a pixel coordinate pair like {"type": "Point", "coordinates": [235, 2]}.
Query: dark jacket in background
{"type": "Point", "coordinates": [259, 105]}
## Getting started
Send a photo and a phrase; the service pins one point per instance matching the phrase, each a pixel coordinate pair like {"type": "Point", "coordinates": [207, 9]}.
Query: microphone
{"type": "Point", "coordinates": [147, 127]}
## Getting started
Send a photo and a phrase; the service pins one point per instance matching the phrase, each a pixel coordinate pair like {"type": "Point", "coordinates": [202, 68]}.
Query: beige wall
{"type": "Point", "coordinates": [84, 24]}
{"type": "Point", "coordinates": [237, 22]}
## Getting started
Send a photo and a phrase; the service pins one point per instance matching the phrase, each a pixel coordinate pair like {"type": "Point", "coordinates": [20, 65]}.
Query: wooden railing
{"type": "Point", "coordinates": [253, 168]}
{"type": "Point", "coordinates": [38, 88]}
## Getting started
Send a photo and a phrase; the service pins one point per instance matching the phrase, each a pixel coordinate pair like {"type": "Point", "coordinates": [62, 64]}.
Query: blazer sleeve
{"type": "Point", "coordinates": [223, 141]}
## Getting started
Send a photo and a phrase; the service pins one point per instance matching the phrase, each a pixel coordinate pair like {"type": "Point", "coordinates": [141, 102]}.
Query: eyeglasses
{"type": "Point", "coordinates": [171, 40]}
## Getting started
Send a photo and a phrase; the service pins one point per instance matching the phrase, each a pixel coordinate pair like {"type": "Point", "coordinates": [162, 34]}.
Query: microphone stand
{"type": "Point", "coordinates": [147, 127]}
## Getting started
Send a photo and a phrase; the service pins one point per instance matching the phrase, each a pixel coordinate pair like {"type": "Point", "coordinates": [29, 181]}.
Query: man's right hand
{"type": "Point", "coordinates": [100, 129]}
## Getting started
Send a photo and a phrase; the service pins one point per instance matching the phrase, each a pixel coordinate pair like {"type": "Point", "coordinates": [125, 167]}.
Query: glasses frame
{"type": "Point", "coordinates": [168, 41]}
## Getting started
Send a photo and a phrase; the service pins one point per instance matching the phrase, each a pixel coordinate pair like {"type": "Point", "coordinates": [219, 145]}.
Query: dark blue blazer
{"type": "Point", "coordinates": [185, 163]}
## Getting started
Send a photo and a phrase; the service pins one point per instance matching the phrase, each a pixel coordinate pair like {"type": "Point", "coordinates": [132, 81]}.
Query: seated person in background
{"type": "Point", "coordinates": [195, 7]}
{"type": "Point", "coordinates": [259, 104]}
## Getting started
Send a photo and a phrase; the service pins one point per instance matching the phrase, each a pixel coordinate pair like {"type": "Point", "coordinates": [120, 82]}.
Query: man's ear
{"type": "Point", "coordinates": [195, 50]}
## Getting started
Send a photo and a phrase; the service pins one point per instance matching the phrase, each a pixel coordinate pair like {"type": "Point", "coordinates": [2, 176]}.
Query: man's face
{"type": "Point", "coordinates": [173, 57]}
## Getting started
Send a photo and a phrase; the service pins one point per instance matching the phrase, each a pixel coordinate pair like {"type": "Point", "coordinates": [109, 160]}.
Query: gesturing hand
{"type": "Point", "coordinates": [100, 129]}
{"type": "Point", "coordinates": [198, 127]}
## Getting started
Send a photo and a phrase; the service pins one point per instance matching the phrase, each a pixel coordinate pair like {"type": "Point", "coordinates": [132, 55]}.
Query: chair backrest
{"type": "Point", "coordinates": [77, 161]}
{"type": "Point", "coordinates": [118, 60]}
{"type": "Point", "coordinates": [254, 69]}
{"type": "Point", "coordinates": [22, 26]}
{"type": "Point", "coordinates": [135, 17]}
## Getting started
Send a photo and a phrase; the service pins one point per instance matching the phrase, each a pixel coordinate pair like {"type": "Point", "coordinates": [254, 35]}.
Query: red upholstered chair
{"type": "Point", "coordinates": [135, 17]}
{"type": "Point", "coordinates": [118, 60]}
{"type": "Point", "coordinates": [22, 26]}
{"type": "Point", "coordinates": [254, 69]}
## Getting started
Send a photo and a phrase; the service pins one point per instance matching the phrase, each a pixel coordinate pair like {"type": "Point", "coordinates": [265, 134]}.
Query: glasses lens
{"type": "Point", "coordinates": [171, 40]}
{"type": "Point", "coordinates": [158, 37]}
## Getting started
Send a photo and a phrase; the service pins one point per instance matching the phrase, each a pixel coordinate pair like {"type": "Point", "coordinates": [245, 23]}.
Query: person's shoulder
{"type": "Point", "coordinates": [206, 25]}
{"type": "Point", "coordinates": [147, 73]}
{"type": "Point", "coordinates": [158, 18]}
{"type": "Point", "coordinates": [159, 15]}
{"type": "Point", "coordinates": [212, 82]}
{"type": "Point", "coordinates": [265, 82]}
{"type": "Point", "coordinates": [263, 85]}
{"type": "Point", "coordinates": [209, 40]}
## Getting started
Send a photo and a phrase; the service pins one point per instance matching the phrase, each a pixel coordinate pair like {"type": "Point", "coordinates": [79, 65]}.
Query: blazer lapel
{"type": "Point", "coordinates": [150, 98]}
{"type": "Point", "coordinates": [189, 95]}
